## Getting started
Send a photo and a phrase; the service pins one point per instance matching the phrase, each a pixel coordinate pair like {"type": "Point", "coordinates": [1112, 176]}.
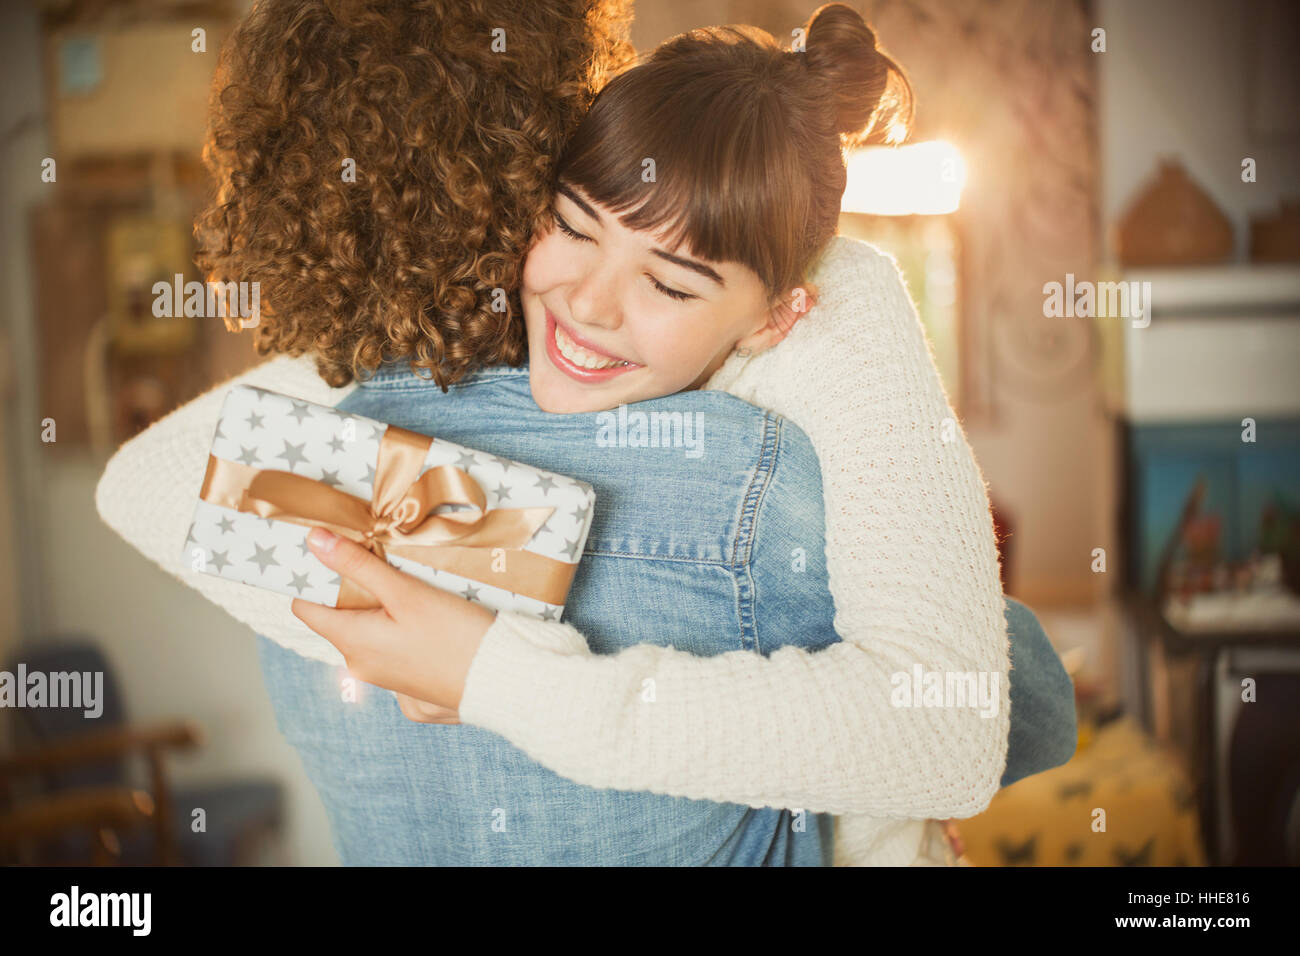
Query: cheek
{"type": "Point", "coordinates": [684, 344]}
{"type": "Point", "coordinates": [543, 267]}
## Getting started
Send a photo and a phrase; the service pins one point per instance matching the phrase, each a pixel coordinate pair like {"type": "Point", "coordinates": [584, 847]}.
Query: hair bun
{"type": "Point", "coordinates": [870, 92]}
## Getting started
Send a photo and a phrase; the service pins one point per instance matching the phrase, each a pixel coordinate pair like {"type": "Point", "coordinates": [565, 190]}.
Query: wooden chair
{"type": "Point", "coordinates": [66, 796]}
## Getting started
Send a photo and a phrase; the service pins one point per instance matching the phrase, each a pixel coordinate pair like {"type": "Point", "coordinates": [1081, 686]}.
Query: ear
{"type": "Point", "coordinates": [787, 310]}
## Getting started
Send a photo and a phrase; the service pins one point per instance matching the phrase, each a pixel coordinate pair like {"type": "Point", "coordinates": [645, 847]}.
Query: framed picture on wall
{"type": "Point", "coordinates": [148, 257]}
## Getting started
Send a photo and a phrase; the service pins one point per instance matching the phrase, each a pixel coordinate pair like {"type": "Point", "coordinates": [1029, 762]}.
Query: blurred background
{"type": "Point", "coordinates": [1144, 465]}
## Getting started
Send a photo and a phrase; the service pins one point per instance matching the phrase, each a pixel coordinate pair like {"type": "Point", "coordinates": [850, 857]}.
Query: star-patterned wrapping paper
{"type": "Point", "coordinates": [266, 430]}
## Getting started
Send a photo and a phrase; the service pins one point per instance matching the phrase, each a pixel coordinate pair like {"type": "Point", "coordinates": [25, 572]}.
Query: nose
{"type": "Point", "coordinates": [593, 298]}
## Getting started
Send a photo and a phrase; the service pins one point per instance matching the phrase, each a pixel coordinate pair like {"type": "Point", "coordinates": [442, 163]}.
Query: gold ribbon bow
{"type": "Point", "coordinates": [400, 518]}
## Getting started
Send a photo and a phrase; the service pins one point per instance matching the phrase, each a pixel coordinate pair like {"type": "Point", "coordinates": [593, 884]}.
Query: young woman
{"type": "Point", "coordinates": [908, 537]}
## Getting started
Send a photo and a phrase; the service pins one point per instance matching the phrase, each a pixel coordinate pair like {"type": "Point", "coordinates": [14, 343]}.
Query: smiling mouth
{"type": "Point", "coordinates": [581, 355]}
{"type": "Point", "coordinates": [578, 361]}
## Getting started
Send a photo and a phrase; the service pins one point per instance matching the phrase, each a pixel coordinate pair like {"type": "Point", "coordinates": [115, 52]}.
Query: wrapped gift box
{"type": "Point", "coordinates": [495, 531]}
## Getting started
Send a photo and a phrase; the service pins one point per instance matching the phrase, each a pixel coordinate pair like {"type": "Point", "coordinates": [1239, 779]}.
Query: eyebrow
{"type": "Point", "coordinates": [691, 264]}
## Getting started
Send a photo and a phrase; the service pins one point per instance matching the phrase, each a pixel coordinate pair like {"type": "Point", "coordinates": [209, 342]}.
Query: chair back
{"type": "Point", "coordinates": [81, 695]}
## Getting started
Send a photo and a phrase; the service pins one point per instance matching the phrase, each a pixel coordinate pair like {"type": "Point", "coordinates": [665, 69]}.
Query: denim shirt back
{"type": "Point", "coordinates": [709, 547]}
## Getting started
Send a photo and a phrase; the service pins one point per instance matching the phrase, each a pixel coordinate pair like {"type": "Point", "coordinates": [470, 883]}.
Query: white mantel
{"type": "Point", "coordinates": [1223, 343]}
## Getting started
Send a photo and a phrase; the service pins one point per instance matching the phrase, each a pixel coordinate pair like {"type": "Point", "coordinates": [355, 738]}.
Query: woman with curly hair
{"type": "Point", "coordinates": [382, 166]}
{"type": "Point", "coordinates": [562, 756]}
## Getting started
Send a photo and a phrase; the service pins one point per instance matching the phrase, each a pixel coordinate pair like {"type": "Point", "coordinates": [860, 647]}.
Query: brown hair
{"type": "Point", "coordinates": [454, 145]}
{"type": "Point", "coordinates": [746, 140]}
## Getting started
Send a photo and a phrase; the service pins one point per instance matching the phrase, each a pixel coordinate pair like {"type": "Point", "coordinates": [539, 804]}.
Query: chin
{"type": "Point", "coordinates": [552, 397]}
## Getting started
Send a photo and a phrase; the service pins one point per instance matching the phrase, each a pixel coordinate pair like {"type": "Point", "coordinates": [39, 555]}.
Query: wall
{"type": "Point", "coordinates": [1179, 79]}
{"type": "Point", "coordinates": [174, 654]}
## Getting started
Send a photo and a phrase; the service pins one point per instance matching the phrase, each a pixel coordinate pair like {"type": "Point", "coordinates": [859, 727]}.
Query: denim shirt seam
{"type": "Point", "coordinates": [404, 379]}
{"type": "Point", "coordinates": [742, 548]}
{"type": "Point", "coordinates": [642, 556]}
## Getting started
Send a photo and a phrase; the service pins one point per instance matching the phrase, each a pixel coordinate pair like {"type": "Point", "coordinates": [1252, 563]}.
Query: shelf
{"type": "Point", "coordinates": [1230, 289]}
{"type": "Point", "coordinates": [1222, 344]}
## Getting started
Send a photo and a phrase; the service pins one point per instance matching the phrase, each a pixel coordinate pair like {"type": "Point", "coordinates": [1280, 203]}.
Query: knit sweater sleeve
{"type": "Point", "coordinates": [147, 495]}
{"type": "Point", "coordinates": [913, 570]}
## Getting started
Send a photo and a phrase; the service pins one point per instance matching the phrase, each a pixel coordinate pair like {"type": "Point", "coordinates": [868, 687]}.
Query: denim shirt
{"type": "Point", "coordinates": [712, 544]}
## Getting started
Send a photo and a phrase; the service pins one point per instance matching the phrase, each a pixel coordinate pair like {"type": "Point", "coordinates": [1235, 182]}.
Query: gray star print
{"type": "Point", "coordinates": [249, 456]}
{"type": "Point", "coordinates": [503, 491]}
{"type": "Point", "coordinates": [190, 537]}
{"type": "Point", "coordinates": [330, 478]}
{"type": "Point", "coordinates": [546, 483]}
{"type": "Point", "coordinates": [579, 513]}
{"type": "Point", "coordinates": [219, 560]}
{"type": "Point", "coordinates": [300, 581]}
{"type": "Point", "coordinates": [571, 548]}
{"type": "Point", "coordinates": [254, 421]}
{"type": "Point", "coordinates": [466, 460]}
{"type": "Point", "coordinates": [264, 557]}
{"type": "Point", "coordinates": [471, 592]}
{"type": "Point", "coordinates": [300, 411]}
{"type": "Point", "coordinates": [370, 474]}
{"type": "Point", "coordinates": [226, 525]}
{"type": "Point", "coordinates": [551, 614]}
{"type": "Point", "coordinates": [218, 433]}
{"type": "Point", "coordinates": [293, 454]}
{"type": "Point", "coordinates": [336, 444]}
{"type": "Point", "coordinates": [302, 546]}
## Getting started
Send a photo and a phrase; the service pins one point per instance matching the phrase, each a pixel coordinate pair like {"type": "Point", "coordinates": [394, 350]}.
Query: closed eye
{"type": "Point", "coordinates": [572, 233]}
{"type": "Point", "coordinates": [671, 293]}
{"type": "Point", "coordinates": [569, 230]}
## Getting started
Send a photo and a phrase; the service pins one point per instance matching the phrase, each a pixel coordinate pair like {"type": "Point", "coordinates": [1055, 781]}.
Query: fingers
{"type": "Point", "coordinates": [423, 712]}
{"type": "Point", "coordinates": [353, 632]}
{"type": "Point", "coordinates": [349, 559]}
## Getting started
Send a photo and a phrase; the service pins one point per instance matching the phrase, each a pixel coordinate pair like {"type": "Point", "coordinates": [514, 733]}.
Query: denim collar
{"type": "Point", "coordinates": [399, 371]}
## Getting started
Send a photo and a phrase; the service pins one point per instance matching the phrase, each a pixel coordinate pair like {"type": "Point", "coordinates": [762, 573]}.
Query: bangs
{"type": "Point", "coordinates": [701, 157]}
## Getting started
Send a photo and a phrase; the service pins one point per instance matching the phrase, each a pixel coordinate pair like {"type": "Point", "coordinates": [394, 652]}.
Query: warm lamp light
{"type": "Point", "coordinates": [922, 179]}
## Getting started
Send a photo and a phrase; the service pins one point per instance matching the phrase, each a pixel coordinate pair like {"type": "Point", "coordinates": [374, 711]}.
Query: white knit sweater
{"type": "Point", "coordinates": [913, 571]}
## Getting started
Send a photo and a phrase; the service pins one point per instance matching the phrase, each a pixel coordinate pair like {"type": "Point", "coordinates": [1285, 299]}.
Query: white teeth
{"type": "Point", "coordinates": [576, 354]}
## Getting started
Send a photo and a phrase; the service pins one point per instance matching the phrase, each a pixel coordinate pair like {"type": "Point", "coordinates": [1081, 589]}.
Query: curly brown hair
{"type": "Point", "coordinates": [454, 142]}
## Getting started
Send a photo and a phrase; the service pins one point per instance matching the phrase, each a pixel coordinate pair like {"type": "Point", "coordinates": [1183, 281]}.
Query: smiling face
{"type": "Point", "coordinates": [613, 316]}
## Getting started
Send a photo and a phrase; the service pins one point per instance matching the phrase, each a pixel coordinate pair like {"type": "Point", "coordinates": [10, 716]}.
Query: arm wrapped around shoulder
{"type": "Point", "coordinates": [909, 715]}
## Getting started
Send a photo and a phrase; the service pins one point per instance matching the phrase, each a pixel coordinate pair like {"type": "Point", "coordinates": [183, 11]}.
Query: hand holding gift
{"type": "Point", "coordinates": [420, 530]}
{"type": "Point", "coordinates": [397, 645]}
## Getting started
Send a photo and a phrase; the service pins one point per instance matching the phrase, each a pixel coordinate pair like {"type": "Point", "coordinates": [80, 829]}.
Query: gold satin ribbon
{"type": "Point", "coordinates": [400, 518]}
